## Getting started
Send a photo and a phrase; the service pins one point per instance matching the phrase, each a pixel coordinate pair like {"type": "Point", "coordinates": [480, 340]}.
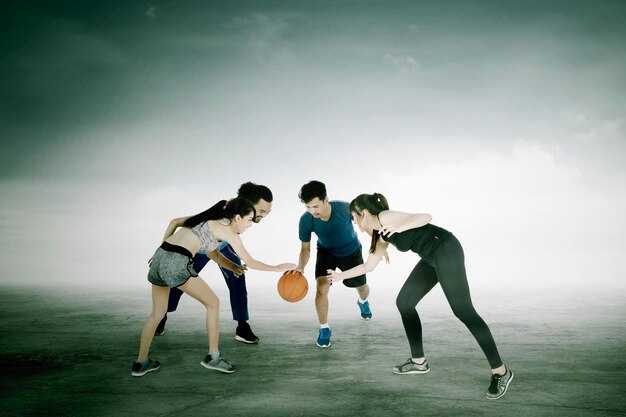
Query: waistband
{"type": "Point", "coordinates": [174, 248]}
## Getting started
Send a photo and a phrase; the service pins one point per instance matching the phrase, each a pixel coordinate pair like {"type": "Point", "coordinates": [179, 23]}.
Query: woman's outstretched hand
{"type": "Point", "coordinates": [333, 276]}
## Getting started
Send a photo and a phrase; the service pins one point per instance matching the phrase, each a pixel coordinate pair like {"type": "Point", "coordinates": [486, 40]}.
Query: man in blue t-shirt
{"type": "Point", "coordinates": [337, 247]}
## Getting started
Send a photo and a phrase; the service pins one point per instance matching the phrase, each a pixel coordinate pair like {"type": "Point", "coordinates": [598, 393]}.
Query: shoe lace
{"type": "Point", "coordinates": [495, 382]}
{"type": "Point", "coordinates": [407, 364]}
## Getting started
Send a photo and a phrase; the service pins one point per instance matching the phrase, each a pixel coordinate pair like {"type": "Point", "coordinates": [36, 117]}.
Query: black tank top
{"type": "Point", "coordinates": [423, 240]}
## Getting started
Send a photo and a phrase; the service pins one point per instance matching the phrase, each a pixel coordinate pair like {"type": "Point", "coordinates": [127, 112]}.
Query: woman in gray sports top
{"type": "Point", "coordinates": [172, 266]}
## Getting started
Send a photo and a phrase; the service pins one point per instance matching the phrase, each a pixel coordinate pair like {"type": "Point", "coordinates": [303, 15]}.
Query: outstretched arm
{"type": "Point", "coordinates": [250, 262]}
{"type": "Point", "coordinates": [370, 264]}
{"type": "Point", "coordinates": [398, 221]}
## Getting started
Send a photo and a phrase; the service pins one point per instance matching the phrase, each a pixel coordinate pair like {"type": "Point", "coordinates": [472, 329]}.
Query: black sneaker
{"type": "Point", "coordinates": [141, 370]}
{"type": "Point", "coordinates": [244, 334]}
{"type": "Point", "coordinates": [499, 384]}
{"type": "Point", "coordinates": [161, 327]}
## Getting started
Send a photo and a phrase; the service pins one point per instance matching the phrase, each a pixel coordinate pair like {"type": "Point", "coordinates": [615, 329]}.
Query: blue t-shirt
{"type": "Point", "coordinates": [222, 246]}
{"type": "Point", "coordinates": [335, 235]}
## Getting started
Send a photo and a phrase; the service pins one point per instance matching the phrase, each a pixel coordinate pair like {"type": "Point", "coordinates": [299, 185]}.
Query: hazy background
{"type": "Point", "coordinates": [503, 119]}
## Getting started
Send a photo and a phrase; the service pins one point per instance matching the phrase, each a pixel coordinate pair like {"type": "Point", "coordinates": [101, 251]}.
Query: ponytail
{"type": "Point", "coordinates": [223, 209]}
{"type": "Point", "coordinates": [374, 203]}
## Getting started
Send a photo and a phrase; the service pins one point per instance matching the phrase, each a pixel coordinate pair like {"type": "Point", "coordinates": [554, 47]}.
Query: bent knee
{"type": "Point", "coordinates": [211, 302]}
{"type": "Point", "coordinates": [158, 314]}
{"type": "Point", "coordinates": [466, 314]}
{"type": "Point", "coordinates": [404, 303]}
{"type": "Point", "coordinates": [323, 285]}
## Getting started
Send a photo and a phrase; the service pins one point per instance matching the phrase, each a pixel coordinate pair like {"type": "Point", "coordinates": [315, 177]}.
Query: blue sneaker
{"type": "Point", "coordinates": [366, 313]}
{"type": "Point", "coordinates": [323, 340]}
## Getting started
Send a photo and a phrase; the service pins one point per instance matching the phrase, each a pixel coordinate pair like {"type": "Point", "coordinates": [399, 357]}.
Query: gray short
{"type": "Point", "coordinates": [171, 266]}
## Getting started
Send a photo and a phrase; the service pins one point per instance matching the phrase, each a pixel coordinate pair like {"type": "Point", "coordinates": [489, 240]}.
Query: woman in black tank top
{"type": "Point", "coordinates": [442, 261]}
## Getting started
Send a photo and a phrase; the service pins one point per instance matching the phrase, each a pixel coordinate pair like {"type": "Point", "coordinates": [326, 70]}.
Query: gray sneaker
{"type": "Point", "coordinates": [141, 370]}
{"type": "Point", "coordinates": [409, 367]}
{"type": "Point", "coordinates": [499, 384]}
{"type": "Point", "coordinates": [218, 364]}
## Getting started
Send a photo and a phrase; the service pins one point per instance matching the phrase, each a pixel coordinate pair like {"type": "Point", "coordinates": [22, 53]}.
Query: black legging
{"type": "Point", "coordinates": [446, 266]}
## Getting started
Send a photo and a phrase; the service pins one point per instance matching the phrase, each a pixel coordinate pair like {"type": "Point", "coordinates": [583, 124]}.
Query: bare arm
{"type": "Point", "coordinates": [224, 262]}
{"type": "Point", "coordinates": [398, 221]}
{"type": "Point", "coordinates": [370, 264]}
{"type": "Point", "coordinates": [250, 262]}
{"type": "Point", "coordinates": [174, 224]}
{"type": "Point", "coordinates": [171, 228]}
{"type": "Point", "coordinates": [303, 259]}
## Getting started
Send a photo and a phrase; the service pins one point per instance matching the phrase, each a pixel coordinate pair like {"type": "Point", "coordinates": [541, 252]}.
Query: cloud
{"type": "Point", "coordinates": [521, 212]}
{"type": "Point", "coordinates": [525, 178]}
{"type": "Point", "coordinates": [404, 62]}
{"type": "Point", "coordinates": [254, 34]}
{"type": "Point", "coordinates": [151, 12]}
{"type": "Point", "coordinates": [64, 59]}
{"type": "Point", "coordinates": [261, 28]}
{"type": "Point", "coordinates": [591, 129]}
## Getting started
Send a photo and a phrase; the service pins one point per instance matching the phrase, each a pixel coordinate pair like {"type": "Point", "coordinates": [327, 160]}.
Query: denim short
{"type": "Point", "coordinates": [171, 266]}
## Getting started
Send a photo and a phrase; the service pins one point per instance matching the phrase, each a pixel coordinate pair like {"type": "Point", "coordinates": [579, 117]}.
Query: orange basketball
{"type": "Point", "coordinates": [292, 287]}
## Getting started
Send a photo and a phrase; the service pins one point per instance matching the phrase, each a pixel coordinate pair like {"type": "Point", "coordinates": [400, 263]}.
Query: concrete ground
{"type": "Point", "coordinates": [69, 353]}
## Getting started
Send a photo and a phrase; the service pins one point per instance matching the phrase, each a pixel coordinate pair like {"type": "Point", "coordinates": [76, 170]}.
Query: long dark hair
{"type": "Point", "coordinates": [374, 203]}
{"type": "Point", "coordinates": [223, 209]}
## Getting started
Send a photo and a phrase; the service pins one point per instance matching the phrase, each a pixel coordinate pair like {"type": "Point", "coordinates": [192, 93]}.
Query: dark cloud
{"type": "Point", "coordinates": [73, 68]}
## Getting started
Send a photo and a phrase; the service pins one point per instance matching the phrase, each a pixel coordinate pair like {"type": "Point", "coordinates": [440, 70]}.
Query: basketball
{"type": "Point", "coordinates": [292, 287]}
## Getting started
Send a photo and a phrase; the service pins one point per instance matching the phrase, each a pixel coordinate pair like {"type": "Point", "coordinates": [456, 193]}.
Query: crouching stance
{"type": "Point", "coordinates": [442, 261]}
{"type": "Point", "coordinates": [172, 267]}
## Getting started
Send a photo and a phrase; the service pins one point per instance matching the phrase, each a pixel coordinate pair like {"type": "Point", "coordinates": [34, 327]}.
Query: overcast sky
{"type": "Point", "coordinates": [503, 119]}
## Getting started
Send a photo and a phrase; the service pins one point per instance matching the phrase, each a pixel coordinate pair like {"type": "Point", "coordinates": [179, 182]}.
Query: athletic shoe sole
{"type": "Point", "coordinates": [250, 342]}
{"type": "Point", "coordinates": [410, 372]}
{"type": "Point", "coordinates": [322, 346]}
{"type": "Point", "coordinates": [506, 387]}
{"type": "Point", "coordinates": [145, 372]}
{"type": "Point", "coordinates": [216, 368]}
{"type": "Point", "coordinates": [366, 318]}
